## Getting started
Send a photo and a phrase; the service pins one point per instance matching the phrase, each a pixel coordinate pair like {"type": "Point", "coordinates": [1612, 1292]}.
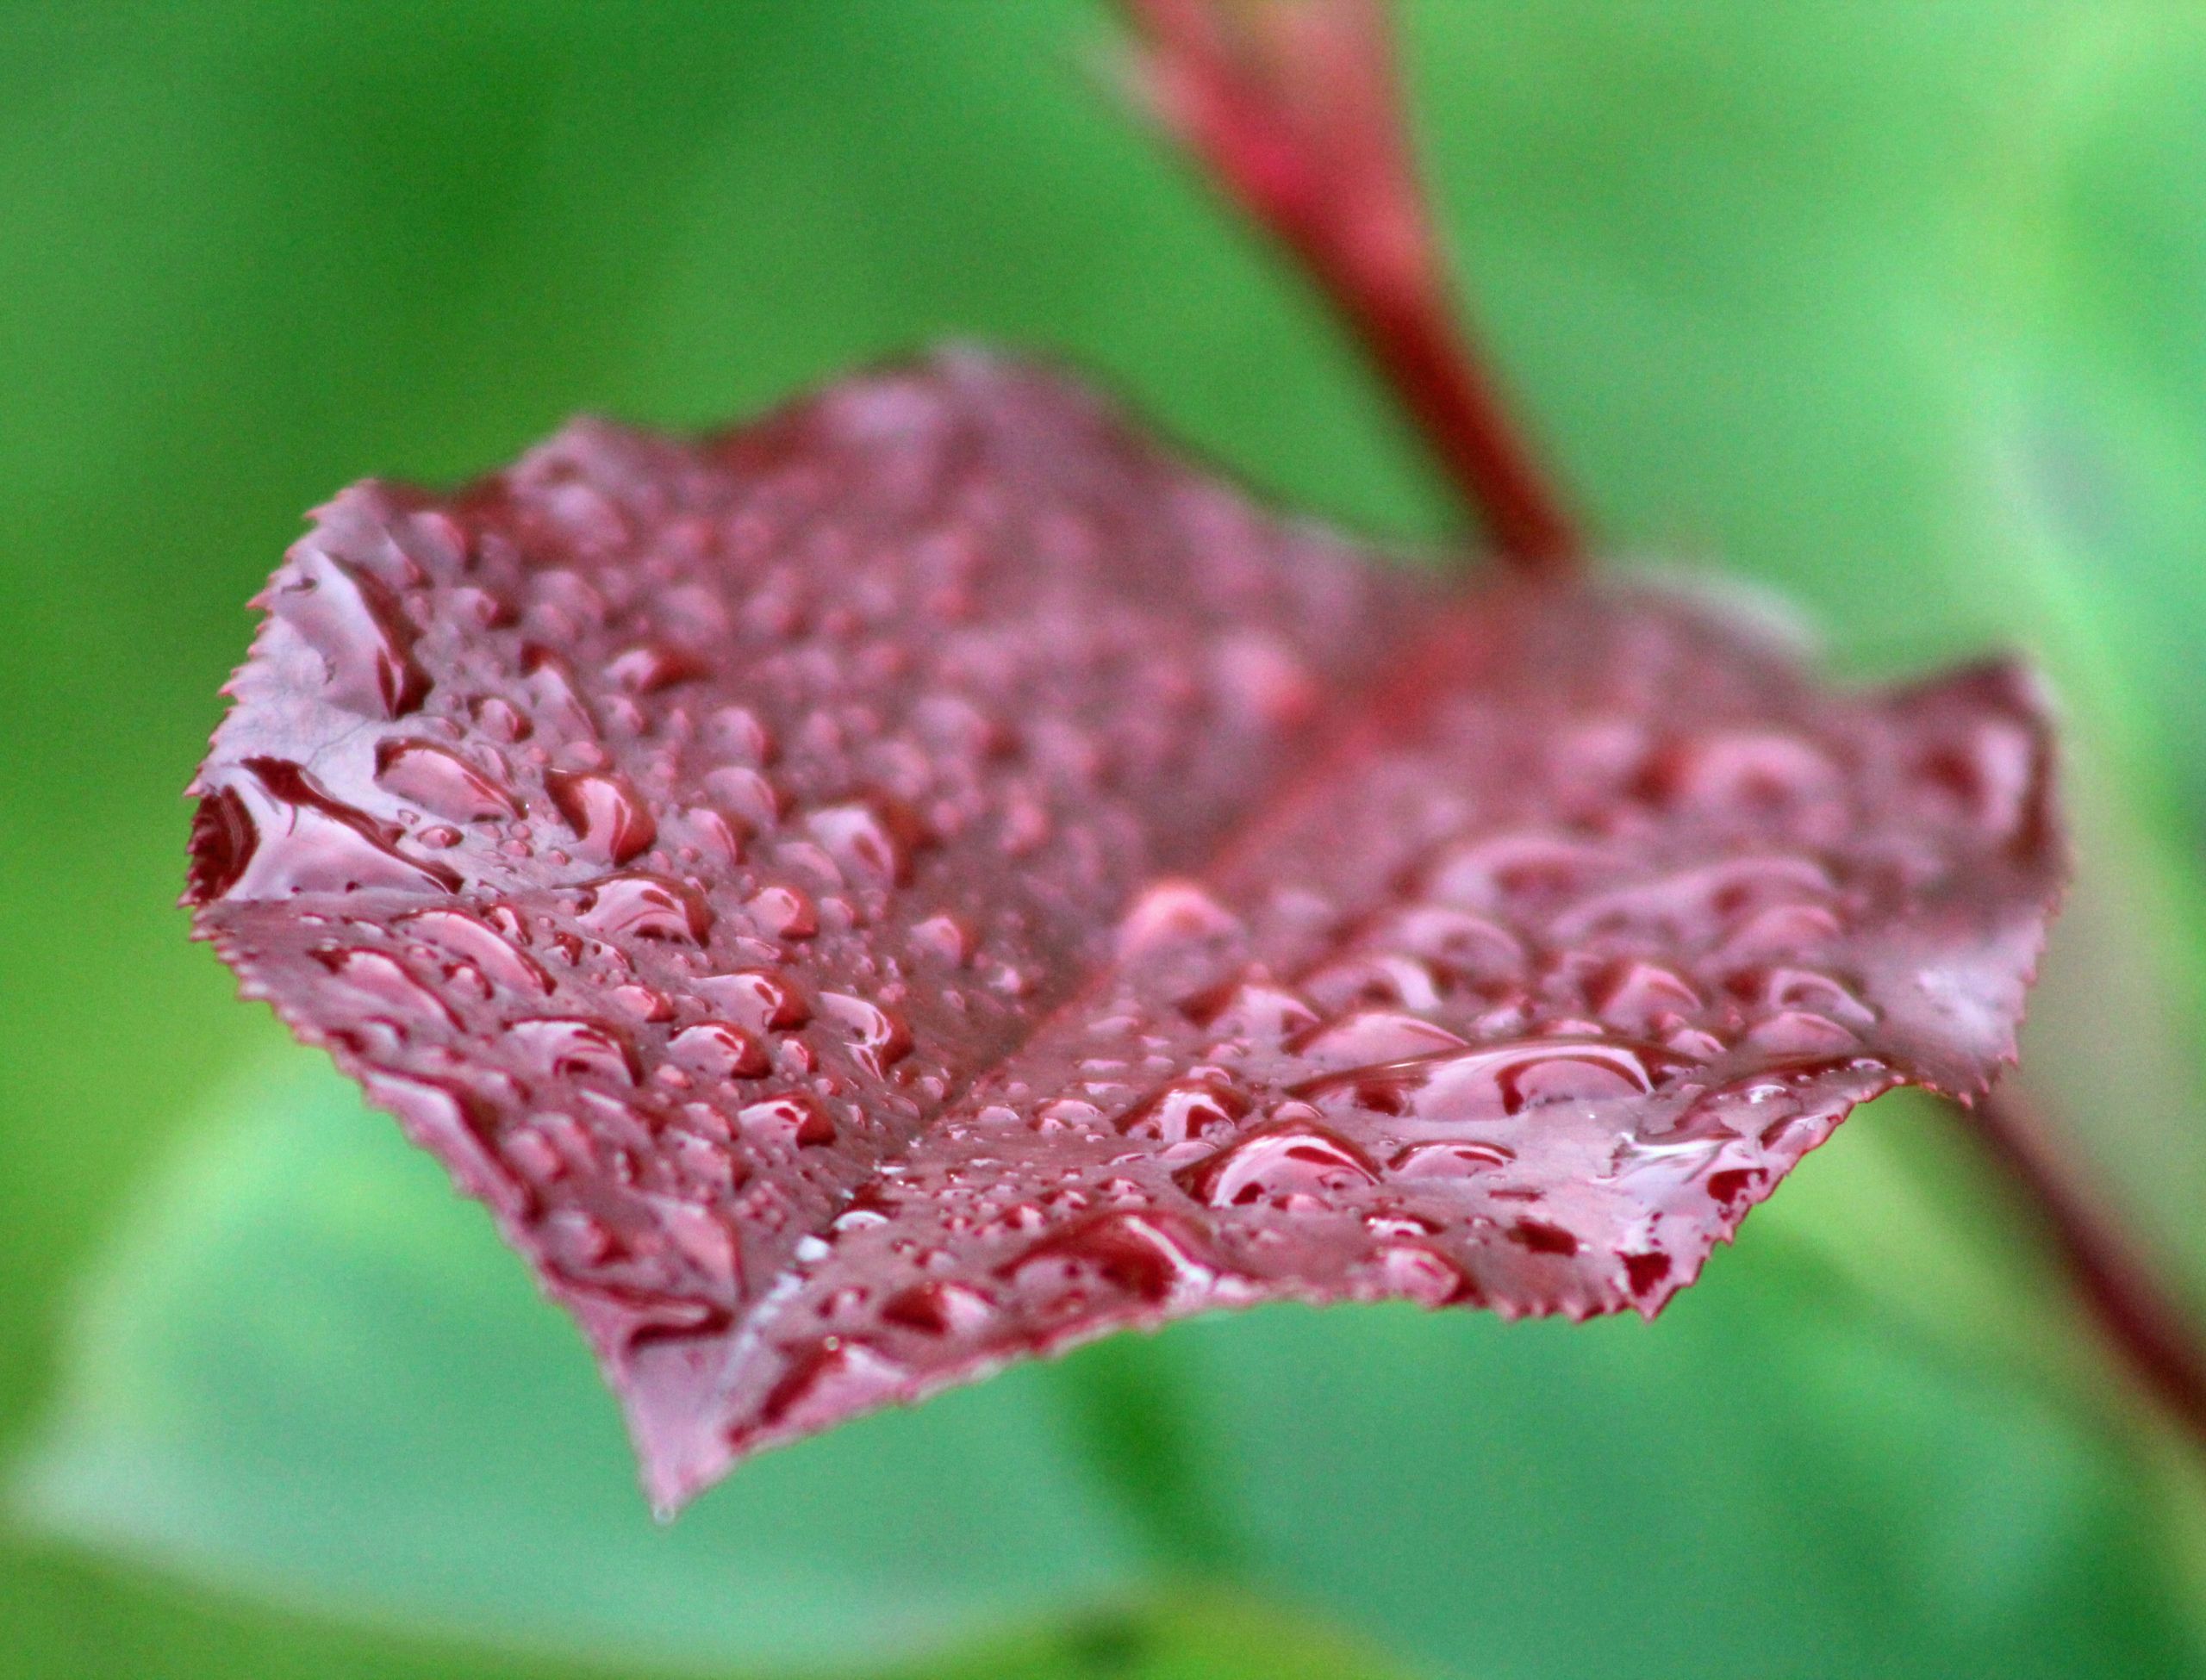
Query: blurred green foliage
{"type": "Point", "coordinates": [1900, 309]}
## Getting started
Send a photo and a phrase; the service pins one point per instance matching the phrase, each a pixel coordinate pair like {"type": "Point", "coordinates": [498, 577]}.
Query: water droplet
{"type": "Point", "coordinates": [456, 1127]}
{"type": "Point", "coordinates": [221, 845]}
{"type": "Point", "coordinates": [763, 1002]}
{"type": "Point", "coordinates": [702, 1238]}
{"type": "Point", "coordinates": [641, 1002]}
{"type": "Point", "coordinates": [382, 981]}
{"type": "Point", "coordinates": [1540, 1236]}
{"type": "Point", "coordinates": [831, 1380]}
{"type": "Point", "coordinates": [945, 938]}
{"type": "Point", "coordinates": [1747, 773]}
{"type": "Point", "coordinates": [490, 952]}
{"type": "Point", "coordinates": [1416, 1272]}
{"type": "Point", "coordinates": [1168, 917]}
{"type": "Point", "coordinates": [440, 782]}
{"type": "Point", "coordinates": [720, 1050]}
{"type": "Point", "coordinates": [879, 1037]}
{"type": "Point", "coordinates": [654, 666]}
{"type": "Point", "coordinates": [871, 841]}
{"type": "Point", "coordinates": [1371, 1035]}
{"type": "Point", "coordinates": [1264, 681]}
{"type": "Point", "coordinates": [1497, 1081]}
{"type": "Point", "coordinates": [355, 622]}
{"type": "Point", "coordinates": [783, 912]}
{"type": "Point", "coordinates": [1144, 1255]}
{"type": "Point", "coordinates": [604, 812]}
{"type": "Point", "coordinates": [554, 697]}
{"type": "Point", "coordinates": [939, 1308]}
{"type": "Point", "coordinates": [567, 1047]}
{"type": "Point", "coordinates": [1454, 1159]}
{"type": "Point", "coordinates": [1637, 996]}
{"type": "Point", "coordinates": [1185, 1110]}
{"type": "Point", "coordinates": [636, 904]}
{"type": "Point", "coordinates": [792, 1118]}
{"type": "Point", "coordinates": [497, 716]}
{"type": "Point", "coordinates": [1278, 1158]}
{"type": "Point", "coordinates": [301, 840]}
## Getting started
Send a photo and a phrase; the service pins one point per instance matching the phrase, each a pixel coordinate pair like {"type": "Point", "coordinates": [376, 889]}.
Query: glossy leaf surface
{"type": "Point", "coordinates": [927, 879]}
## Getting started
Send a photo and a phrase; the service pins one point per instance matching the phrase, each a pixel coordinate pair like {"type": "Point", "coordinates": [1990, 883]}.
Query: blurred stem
{"type": "Point", "coordinates": [2139, 1315]}
{"type": "Point", "coordinates": [1295, 107]}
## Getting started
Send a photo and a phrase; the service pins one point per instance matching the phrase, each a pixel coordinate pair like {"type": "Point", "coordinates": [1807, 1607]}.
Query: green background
{"type": "Point", "coordinates": [1897, 308]}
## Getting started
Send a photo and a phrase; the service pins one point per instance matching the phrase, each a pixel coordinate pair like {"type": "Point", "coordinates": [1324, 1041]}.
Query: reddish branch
{"type": "Point", "coordinates": [1295, 107]}
{"type": "Point", "coordinates": [2137, 1314]}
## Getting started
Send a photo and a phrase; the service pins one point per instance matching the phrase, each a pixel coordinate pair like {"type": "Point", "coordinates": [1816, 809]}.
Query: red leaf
{"type": "Point", "coordinates": [926, 880]}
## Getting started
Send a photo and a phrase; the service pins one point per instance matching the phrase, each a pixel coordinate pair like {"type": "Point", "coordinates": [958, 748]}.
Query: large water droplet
{"type": "Point", "coordinates": [1370, 1035]}
{"type": "Point", "coordinates": [939, 1308]}
{"type": "Point", "coordinates": [647, 669]}
{"type": "Point", "coordinates": [878, 1036]}
{"type": "Point", "coordinates": [566, 1047]}
{"type": "Point", "coordinates": [491, 952]}
{"type": "Point", "coordinates": [1185, 1110]}
{"type": "Point", "coordinates": [604, 812]}
{"type": "Point", "coordinates": [382, 982]}
{"type": "Point", "coordinates": [871, 841]}
{"type": "Point", "coordinates": [792, 1118]}
{"type": "Point", "coordinates": [355, 622]}
{"type": "Point", "coordinates": [720, 1050]}
{"type": "Point", "coordinates": [1279, 1159]}
{"type": "Point", "coordinates": [302, 841]}
{"type": "Point", "coordinates": [763, 1002]}
{"type": "Point", "coordinates": [1141, 1254]}
{"type": "Point", "coordinates": [636, 904]}
{"type": "Point", "coordinates": [1497, 1081]}
{"type": "Point", "coordinates": [441, 782]}
{"type": "Point", "coordinates": [1171, 916]}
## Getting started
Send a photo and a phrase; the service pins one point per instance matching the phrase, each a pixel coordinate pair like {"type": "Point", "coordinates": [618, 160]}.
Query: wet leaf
{"type": "Point", "coordinates": [927, 880]}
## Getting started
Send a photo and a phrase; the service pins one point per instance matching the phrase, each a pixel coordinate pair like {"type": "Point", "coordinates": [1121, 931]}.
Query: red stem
{"type": "Point", "coordinates": [1295, 106]}
{"type": "Point", "coordinates": [2138, 1315]}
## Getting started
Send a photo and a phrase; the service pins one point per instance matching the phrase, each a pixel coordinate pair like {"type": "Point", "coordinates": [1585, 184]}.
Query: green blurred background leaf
{"type": "Point", "coordinates": [1899, 308]}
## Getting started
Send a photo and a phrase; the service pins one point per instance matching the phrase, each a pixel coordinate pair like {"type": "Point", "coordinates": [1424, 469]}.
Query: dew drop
{"type": "Point", "coordinates": [1185, 1110]}
{"type": "Point", "coordinates": [763, 1002]}
{"type": "Point", "coordinates": [939, 1308]}
{"type": "Point", "coordinates": [636, 904]}
{"type": "Point", "coordinates": [792, 1118]}
{"type": "Point", "coordinates": [879, 1037]}
{"type": "Point", "coordinates": [355, 622]}
{"type": "Point", "coordinates": [783, 912]}
{"type": "Point", "coordinates": [440, 781]}
{"type": "Point", "coordinates": [303, 841]}
{"type": "Point", "coordinates": [720, 1050]}
{"type": "Point", "coordinates": [566, 1047]}
{"type": "Point", "coordinates": [491, 952]}
{"type": "Point", "coordinates": [1276, 1160]}
{"type": "Point", "coordinates": [604, 812]}
{"type": "Point", "coordinates": [647, 669]}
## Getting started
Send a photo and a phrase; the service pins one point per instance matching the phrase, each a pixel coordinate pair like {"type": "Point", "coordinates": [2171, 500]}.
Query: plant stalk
{"type": "Point", "coordinates": [1296, 108]}
{"type": "Point", "coordinates": [2139, 1317]}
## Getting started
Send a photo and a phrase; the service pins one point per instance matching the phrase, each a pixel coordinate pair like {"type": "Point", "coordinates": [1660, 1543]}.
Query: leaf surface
{"type": "Point", "coordinates": [928, 879]}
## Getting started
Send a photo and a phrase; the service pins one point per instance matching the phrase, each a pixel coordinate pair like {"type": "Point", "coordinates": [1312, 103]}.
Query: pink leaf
{"type": "Point", "coordinates": [927, 879]}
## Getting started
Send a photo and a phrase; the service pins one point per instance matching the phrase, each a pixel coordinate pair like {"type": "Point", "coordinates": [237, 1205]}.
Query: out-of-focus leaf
{"type": "Point", "coordinates": [302, 1378]}
{"type": "Point", "coordinates": [314, 1375]}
